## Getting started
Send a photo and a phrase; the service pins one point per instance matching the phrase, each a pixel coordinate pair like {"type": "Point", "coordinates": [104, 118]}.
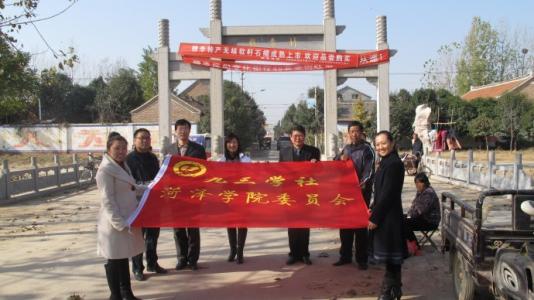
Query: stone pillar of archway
{"type": "Point", "coordinates": [216, 83]}
{"type": "Point", "coordinates": [330, 82]}
{"type": "Point", "coordinates": [382, 95]}
{"type": "Point", "coordinates": [164, 106]}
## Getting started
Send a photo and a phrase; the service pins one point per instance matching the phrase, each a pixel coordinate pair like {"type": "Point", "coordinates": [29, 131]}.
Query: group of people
{"type": "Point", "coordinates": [123, 176]}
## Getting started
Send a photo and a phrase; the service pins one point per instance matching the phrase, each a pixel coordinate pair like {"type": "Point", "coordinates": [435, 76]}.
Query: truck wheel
{"type": "Point", "coordinates": [464, 286]}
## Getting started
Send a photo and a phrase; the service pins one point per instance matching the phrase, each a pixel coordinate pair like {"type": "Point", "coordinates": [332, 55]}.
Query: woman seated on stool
{"type": "Point", "coordinates": [424, 214]}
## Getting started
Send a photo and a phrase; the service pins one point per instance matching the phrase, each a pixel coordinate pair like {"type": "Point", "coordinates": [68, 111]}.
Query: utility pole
{"type": "Point", "coordinates": [40, 111]}
{"type": "Point", "coordinates": [242, 88]}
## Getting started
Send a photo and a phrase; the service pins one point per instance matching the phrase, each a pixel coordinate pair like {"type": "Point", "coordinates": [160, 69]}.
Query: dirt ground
{"type": "Point", "coordinates": [47, 251]}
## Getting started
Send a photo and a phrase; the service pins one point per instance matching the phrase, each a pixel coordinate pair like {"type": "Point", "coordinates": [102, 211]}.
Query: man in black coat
{"type": "Point", "coordinates": [299, 238]}
{"type": "Point", "coordinates": [145, 166]}
{"type": "Point", "coordinates": [187, 240]}
{"type": "Point", "coordinates": [363, 158]}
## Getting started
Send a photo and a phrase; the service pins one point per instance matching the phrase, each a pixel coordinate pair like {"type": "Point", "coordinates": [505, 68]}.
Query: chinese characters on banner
{"type": "Point", "coordinates": [190, 192]}
{"type": "Point", "coordinates": [225, 57]}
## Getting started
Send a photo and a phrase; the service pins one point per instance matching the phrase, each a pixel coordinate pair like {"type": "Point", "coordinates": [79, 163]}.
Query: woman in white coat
{"type": "Point", "coordinates": [236, 237]}
{"type": "Point", "coordinates": [116, 241]}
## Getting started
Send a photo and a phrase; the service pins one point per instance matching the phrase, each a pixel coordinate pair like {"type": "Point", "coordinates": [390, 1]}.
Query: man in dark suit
{"type": "Point", "coordinates": [299, 238]}
{"type": "Point", "coordinates": [187, 240]}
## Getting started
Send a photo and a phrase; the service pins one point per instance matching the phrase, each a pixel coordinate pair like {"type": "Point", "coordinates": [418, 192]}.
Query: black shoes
{"type": "Point", "coordinates": [341, 262]}
{"type": "Point", "coordinates": [181, 265]}
{"type": "Point", "coordinates": [139, 276]}
{"type": "Point", "coordinates": [239, 256]}
{"type": "Point", "coordinates": [233, 253]}
{"type": "Point", "coordinates": [291, 260]}
{"type": "Point", "coordinates": [393, 293]}
{"type": "Point", "coordinates": [157, 269]}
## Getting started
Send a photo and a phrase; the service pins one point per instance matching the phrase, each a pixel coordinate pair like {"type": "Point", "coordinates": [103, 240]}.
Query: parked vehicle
{"type": "Point", "coordinates": [283, 142]}
{"type": "Point", "coordinates": [265, 143]}
{"type": "Point", "coordinates": [490, 255]}
{"type": "Point", "coordinates": [410, 163]}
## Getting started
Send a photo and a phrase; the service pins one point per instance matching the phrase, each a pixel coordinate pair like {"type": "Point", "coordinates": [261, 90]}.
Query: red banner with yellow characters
{"type": "Point", "coordinates": [226, 57]}
{"type": "Point", "coordinates": [189, 192]}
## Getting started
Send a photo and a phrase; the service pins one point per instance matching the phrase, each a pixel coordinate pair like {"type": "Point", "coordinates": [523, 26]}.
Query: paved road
{"type": "Point", "coordinates": [47, 251]}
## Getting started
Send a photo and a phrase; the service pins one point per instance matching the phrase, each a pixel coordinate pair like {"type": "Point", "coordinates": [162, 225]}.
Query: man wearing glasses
{"type": "Point", "coordinates": [145, 166]}
{"type": "Point", "coordinates": [299, 238]}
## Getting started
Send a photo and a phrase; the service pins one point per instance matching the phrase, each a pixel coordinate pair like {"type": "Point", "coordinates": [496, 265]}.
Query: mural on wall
{"type": "Point", "coordinates": [76, 138]}
{"type": "Point", "coordinates": [90, 137]}
{"type": "Point", "coordinates": [17, 139]}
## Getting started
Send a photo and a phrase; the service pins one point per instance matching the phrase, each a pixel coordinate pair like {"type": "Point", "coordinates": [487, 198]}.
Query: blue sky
{"type": "Point", "coordinates": [114, 32]}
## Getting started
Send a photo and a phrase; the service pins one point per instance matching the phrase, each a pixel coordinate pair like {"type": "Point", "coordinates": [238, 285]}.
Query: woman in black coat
{"type": "Point", "coordinates": [386, 221]}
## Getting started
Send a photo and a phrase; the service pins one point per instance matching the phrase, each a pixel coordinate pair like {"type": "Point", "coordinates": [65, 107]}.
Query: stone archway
{"type": "Point", "coordinates": [172, 69]}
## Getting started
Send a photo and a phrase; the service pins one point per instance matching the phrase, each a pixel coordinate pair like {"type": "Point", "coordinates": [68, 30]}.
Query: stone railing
{"type": "Point", "coordinates": [485, 175]}
{"type": "Point", "coordinates": [39, 181]}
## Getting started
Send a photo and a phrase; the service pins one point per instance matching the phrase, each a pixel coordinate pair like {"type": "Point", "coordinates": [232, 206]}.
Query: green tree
{"type": "Point", "coordinates": [446, 108]}
{"type": "Point", "coordinates": [148, 74]}
{"type": "Point", "coordinates": [527, 124]}
{"type": "Point", "coordinates": [440, 72]}
{"type": "Point", "coordinates": [18, 85]}
{"type": "Point", "coordinates": [79, 105]}
{"type": "Point", "coordinates": [54, 88]}
{"type": "Point", "coordinates": [242, 115]}
{"type": "Point", "coordinates": [359, 113]}
{"type": "Point", "coordinates": [513, 108]}
{"type": "Point", "coordinates": [300, 114]}
{"type": "Point", "coordinates": [317, 125]}
{"type": "Point", "coordinates": [289, 119]}
{"type": "Point", "coordinates": [402, 114]}
{"type": "Point", "coordinates": [121, 94]}
{"type": "Point", "coordinates": [97, 84]}
{"type": "Point", "coordinates": [23, 12]}
{"type": "Point", "coordinates": [482, 126]}
{"type": "Point", "coordinates": [486, 107]}
{"type": "Point", "coordinates": [457, 111]}
{"type": "Point", "coordinates": [475, 64]}
{"type": "Point", "coordinates": [488, 54]}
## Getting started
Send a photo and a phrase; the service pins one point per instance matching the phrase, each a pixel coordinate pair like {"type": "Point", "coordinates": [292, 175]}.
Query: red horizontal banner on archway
{"type": "Point", "coordinates": [226, 56]}
{"type": "Point", "coordinates": [190, 192]}
{"type": "Point", "coordinates": [246, 67]}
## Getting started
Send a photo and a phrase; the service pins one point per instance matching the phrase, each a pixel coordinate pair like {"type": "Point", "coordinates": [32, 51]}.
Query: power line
{"type": "Point", "coordinates": [8, 23]}
{"type": "Point", "coordinates": [39, 53]}
{"type": "Point", "coordinates": [44, 40]}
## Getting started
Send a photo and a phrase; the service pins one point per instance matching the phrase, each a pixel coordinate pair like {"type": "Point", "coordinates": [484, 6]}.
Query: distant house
{"type": "Point", "coordinates": [184, 106]}
{"type": "Point", "coordinates": [346, 97]}
{"type": "Point", "coordinates": [197, 89]}
{"type": "Point", "coordinates": [523, 85]}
